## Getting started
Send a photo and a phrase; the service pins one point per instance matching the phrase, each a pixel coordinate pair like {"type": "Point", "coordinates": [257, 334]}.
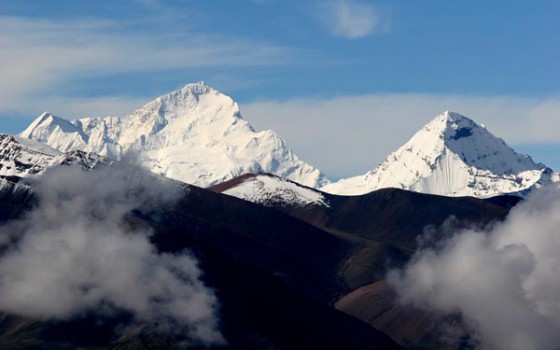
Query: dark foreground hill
{"type": "Point", "coordinates": [386, 225]}
{"type": "Point", "coordinates": [275, 278]}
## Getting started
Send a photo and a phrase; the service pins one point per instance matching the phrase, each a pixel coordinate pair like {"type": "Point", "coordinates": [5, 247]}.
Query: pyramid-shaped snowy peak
{"type": "Point", "coordinates": [452, 156]}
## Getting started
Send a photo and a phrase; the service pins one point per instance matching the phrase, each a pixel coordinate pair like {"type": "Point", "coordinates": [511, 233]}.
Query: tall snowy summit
{"type": "Point", "coordinates": [452, 156]}
{"type": "Point", "coordinates": [195, 135]}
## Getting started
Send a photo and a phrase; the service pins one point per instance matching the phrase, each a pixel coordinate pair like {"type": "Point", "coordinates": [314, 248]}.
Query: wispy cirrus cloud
{"type": "Point", "coordinates": [350, 19]}
{"type": "Point", "coordinates": [41, 56]}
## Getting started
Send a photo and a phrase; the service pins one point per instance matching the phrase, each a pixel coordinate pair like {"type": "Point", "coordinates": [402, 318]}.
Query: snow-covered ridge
{"type": "Point", "coordinates": [23, 158]}
{"type": "Point", "coordinates": [195, 135]}
{"type": "Point", "coordinates": [452, 156]}
{"type": "Point", "coordinates": [20, 157]}
{"type": "Point", "coordinates": [272, 191]}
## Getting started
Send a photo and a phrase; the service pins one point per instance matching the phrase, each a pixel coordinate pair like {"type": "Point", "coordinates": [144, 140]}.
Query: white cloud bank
{"type": "Point", "coordinates": [505, 283]}
{"type": "Point", "coordinates": [74, 254]}
{"type": "Point", "coordinates": [349, 19]}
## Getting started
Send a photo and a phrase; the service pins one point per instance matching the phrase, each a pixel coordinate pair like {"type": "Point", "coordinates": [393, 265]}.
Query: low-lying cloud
{"type": "Point", "coordinates": [505, 283]}
{"type": "Point", "coordinates": [75, 254]}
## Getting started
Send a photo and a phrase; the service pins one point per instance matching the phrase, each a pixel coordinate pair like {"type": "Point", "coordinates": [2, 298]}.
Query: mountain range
{"type": "Point", "coordinates": [197, 135]}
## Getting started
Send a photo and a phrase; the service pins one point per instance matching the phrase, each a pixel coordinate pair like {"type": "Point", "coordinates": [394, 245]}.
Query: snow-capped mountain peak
{"type": "Point", "coordinates": [452, 155]}
{"type": "Point", "coordinates": [475, 145]}
{"type": "Point", "coordinates": [195, 134]}
{"type": "Point", "coordinates": [48, 128]}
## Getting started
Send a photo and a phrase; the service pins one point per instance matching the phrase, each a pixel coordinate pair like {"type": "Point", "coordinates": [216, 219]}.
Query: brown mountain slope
{"type": "Point", "coordinates": [387, 224]}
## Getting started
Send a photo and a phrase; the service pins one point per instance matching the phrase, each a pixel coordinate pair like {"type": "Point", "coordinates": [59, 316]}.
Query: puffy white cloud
{"type": "Point", "coordinates": [74, 253]}
{"type": "Point", "coordinates": [349, 19]}
{"type": "Point", "coordinates": [504, 282]}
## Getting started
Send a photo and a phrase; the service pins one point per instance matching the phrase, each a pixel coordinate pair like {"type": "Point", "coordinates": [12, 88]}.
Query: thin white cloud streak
{"type": "Point", "coordinates": [40, 56]}
{"type": "Point", "coordinates": [74, 254]}
{"type": "Point", "coordinates": [349, 19]}
{"type": "Point", "coordinates": [347, 136]}
{"type": "Point", "coordinates": [505, 283]}
{"type": "Point", "coordinates": [72, 108]}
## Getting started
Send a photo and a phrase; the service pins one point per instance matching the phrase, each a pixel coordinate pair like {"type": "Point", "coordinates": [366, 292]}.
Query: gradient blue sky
{"type": "Point", "coordinates": [343, 81]}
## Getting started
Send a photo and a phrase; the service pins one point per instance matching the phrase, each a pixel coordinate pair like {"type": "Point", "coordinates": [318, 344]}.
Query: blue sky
{"type": "Point", "coordinates": [353, 79]}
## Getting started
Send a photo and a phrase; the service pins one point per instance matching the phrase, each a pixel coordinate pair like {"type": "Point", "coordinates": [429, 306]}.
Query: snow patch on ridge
{"type": "Point", "coordinates": [271, 190]}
